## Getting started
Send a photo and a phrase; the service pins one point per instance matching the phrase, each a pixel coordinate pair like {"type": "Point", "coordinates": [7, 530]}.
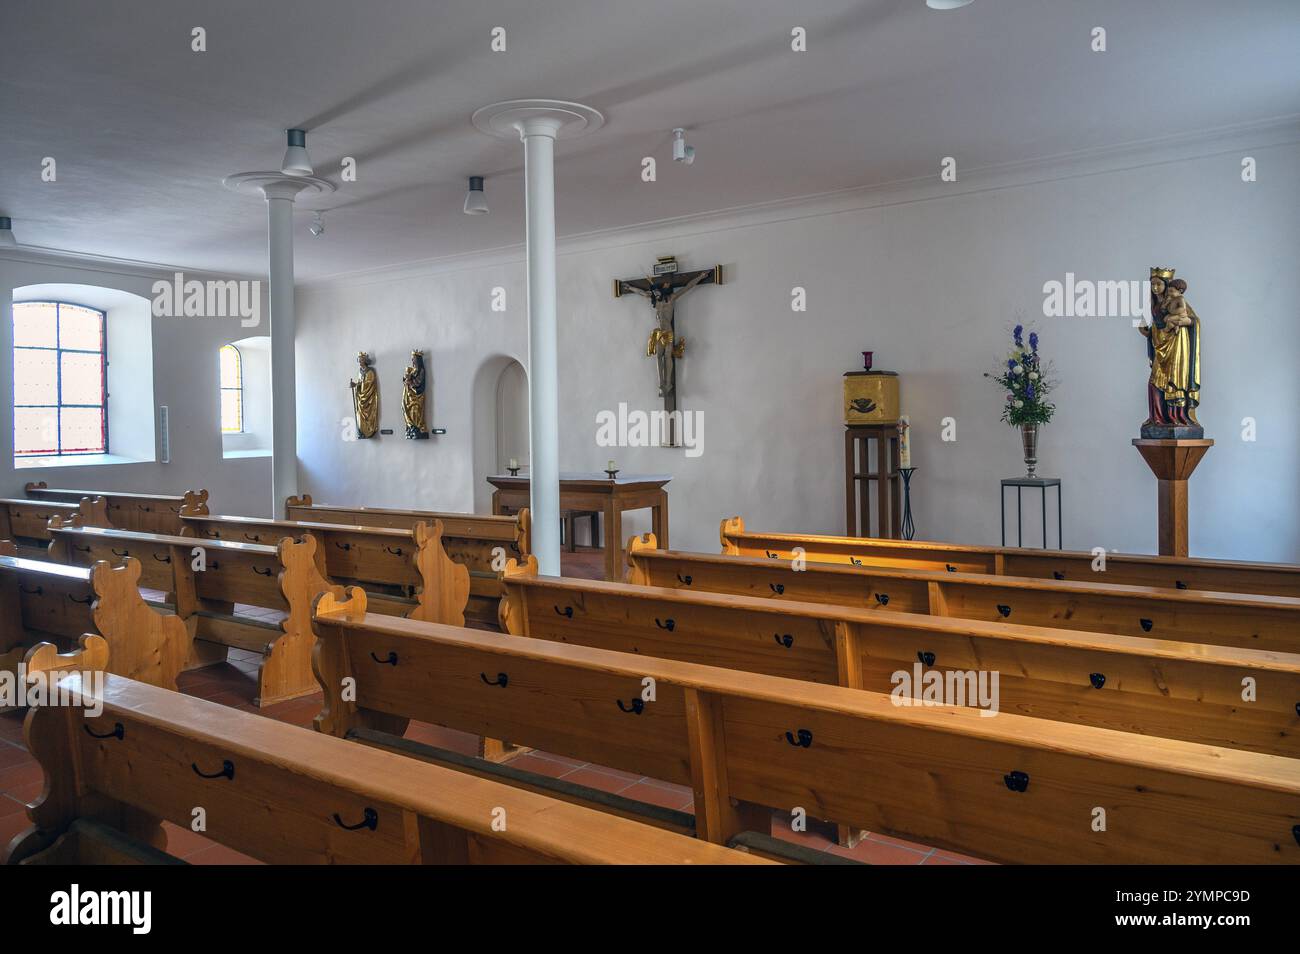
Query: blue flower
{"type": "Point", "coordinates": [1016, 333]}
{"type": "Point", "coordinates": [1029, 391]}
{"type": "Point", "coordinates": [1033, 340]}
{"type": "Point", "coordinates": [1011, 363]}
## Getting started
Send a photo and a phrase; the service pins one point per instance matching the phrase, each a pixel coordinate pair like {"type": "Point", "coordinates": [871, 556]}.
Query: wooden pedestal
{"type": "Point", "coordinates": [858, 477]}
{"type": "Point", "coordinates": [1172, 461]}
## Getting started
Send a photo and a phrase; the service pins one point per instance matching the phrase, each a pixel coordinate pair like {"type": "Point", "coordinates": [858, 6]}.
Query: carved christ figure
{"type": "Point", "coordinates": [663, 345]}
{"type": "Point", "coordinates": [365, 398]}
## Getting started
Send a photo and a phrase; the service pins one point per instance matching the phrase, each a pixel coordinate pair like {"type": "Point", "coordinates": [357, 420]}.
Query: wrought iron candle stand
{"type": "Point", "coordinates": [909, 529]}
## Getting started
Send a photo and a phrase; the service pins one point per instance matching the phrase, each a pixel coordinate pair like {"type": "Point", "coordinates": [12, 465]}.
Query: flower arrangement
{"type": "Point", "coordinates": [1026, 383]}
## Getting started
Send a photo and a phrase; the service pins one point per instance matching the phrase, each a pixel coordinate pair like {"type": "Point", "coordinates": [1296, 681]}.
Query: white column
{"type": "Point", "coordinates": [538, 135]}
{"type": "Point", "coordinates": [284, 415]}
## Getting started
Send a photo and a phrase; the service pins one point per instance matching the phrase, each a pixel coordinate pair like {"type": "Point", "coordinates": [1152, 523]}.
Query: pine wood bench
{"type": "Point", "coordinates": [44, 604]}
{"type": "Point", "coordinates": [1225, 576]}
{"type": "Point", "coordinates": [408, 567]}
{"type": "Point", "coordinates": [1164, 688]}
{"type": "Point", "coordinates": [287, 795]}
{"type": "Point", "coordinates": [481, 543]}
{"type": "Point", "coordinates": [284, 578]}
{"type": "Point", "coordinates": [154, 513]}
{"type": "Point", "coordinates": [1010, 788]}
{"type": "Point", "coordinates": [1243, 620]}
{"type": "Point", "coordinates": [25, 522]}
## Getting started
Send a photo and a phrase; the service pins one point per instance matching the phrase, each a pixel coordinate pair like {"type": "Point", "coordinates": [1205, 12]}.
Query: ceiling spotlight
{"type": "Point", "coordinates": [7, 239]}
{"type": "Point", "coordinates": [475, 200]}
{"type": "Point", "coordinates": [681, 151]}
{"type": "Point", "coordinates": [318, 226]}
{"type": "Point", "coordinates": [296, 161]}
{"type": "Point", "coordinates": [946, 4]}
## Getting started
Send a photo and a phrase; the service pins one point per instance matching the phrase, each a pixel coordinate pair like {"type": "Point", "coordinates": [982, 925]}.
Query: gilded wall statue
{"type": "Point", "coordinates": [1174, 350]}
{"type": "Point", "coordinates": [365, 398]}
{"type": "Point", "coordinates": [413, 387]}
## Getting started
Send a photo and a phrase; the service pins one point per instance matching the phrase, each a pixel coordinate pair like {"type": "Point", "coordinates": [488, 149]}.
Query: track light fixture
{"type": "Point", "coordinates": [947, 4]}
{"type": "Point", "coordinates": [681, 151]}
{"type": "Point", "coordinates": [318, 224]}
{"type": "Point", "coordinates": [296, 161]}
{"type": "Point", "coordinates": [7, 239]}
{"type": "Point", "coordinates": [475, 200]}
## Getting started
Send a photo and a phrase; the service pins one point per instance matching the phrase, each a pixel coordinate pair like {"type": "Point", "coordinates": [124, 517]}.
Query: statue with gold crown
{"type": "Point", "coordinates": [1174, 349]}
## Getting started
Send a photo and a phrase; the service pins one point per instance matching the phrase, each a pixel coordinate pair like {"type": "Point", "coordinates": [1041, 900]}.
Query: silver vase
{"type": "Point", "coordinates": [1029, 438]}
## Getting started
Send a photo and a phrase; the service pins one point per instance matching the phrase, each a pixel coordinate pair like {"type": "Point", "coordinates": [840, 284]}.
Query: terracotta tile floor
{"type": "Point", "coordinates": [233, 683]}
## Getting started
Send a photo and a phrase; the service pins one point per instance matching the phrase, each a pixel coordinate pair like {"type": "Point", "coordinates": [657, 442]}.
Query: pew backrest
{"type": "Point", "coordinates": [287, 795]}
{"type": "Point", "coordinates": [1274, 579]}
{"type": "Point", "coordinates": [29, 519]}
{"type": "Point", "coordinates": [154, 513]}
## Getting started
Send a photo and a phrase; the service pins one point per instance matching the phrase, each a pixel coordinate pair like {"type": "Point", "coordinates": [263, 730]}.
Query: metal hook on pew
{"type": "Point", "coordinates": [227, 770]}
{"type": "Point", "coordinates": [37, 591]}
{"type": "Point", "coordinates": [119, 732]}
{"type": "Point", "coordinates": [926, 658]}
{"type": "Point", "coordinates": [124, 553]}
{"type": "Point", "coordinates": [1004, 610]}
{"type": "Point", "coordinates": [684, 579]}
{"type": "Point", "coordinates": [1016, 781]}
{"type": "Point", "coordinates": [1146, 625]}
{"type": "Point", "coordinates": [389, 660]}
{"type": "Point", "coordinates": [785, 639]}
{"type": "Point", "coordinates": [86, 602]}
{"type": "Point", "coordinates": [1295, 832]}
{"type": "Point", "coordinates": [81, 549]}
{"type": "Point", "coordinates": [566, 612]}
{"type": "Point", "coordinates": [1058, 575]}
{"type": "Point", "coordinates": [1097, 679]}
{"type": "Point", "coordinates": [777, 588]}
{"type": "Point", "coordinates": [637, 706]}
{"type": "Point", "coordinates": [950, 568]}
{"type": "Point", "coordinates": [397, 552]}
{"type": "Point", "coordinates": [501, 680]}
{"type": "Point", "coordinates": [174, 509]}
{"type": "Point", "coordinates": [670, 625]}
{"type": "Point", "coordinates": [855, 561]}
{"type": "Point", "coordinates": [882, 599]}
{"type": "Point", "coordinates": [144, 508]}
{"type": "Point", "coordinates": [165, 559]}
{"type": "Point", "coordinates": [771, 555]}
{"type": "Point", "coordinates": [343, 546]}
{"type": "Point", "coordinates": [370, 819]}
{"type": "Point", "coordinates": [254, 537]}
{"type": "Point", "coordinates": [267, 572]}
{"type": "Point", "coordinates": [804, 741]}
{"type": "Point", "coordinates": [1180, 584]}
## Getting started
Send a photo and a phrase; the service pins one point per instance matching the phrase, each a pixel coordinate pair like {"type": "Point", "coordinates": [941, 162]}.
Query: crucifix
{"type": "Point", "coordinates": [663, 289]}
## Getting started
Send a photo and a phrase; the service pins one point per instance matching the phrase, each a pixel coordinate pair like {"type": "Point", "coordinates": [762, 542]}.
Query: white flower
{"type": "Point", "coordinates": [1017, 369]}
{"type": "Point", "coordinates": [1020, 404]}
{"type": "Point", "coordinates": [1033, 375]}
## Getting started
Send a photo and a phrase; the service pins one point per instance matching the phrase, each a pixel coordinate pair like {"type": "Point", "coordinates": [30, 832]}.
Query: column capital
{"type": "Point", "coordinates": [276, 185]}
{"type": "Point", "coordinates": [552, 118]}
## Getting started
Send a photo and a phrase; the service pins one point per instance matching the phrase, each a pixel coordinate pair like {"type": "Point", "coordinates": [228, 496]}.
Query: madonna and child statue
{"type": "Point", "coordinates": [1174, 350]}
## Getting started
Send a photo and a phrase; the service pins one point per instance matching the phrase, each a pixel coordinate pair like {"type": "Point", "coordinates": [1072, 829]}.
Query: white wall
{"type": "Point", "coordinates": [931, 277]}
{"type": "Point", "coordinates": [184, 378]}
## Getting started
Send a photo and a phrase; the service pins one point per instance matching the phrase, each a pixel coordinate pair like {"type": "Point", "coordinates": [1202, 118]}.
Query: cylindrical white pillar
{"type": "Point", "coordinates": [284, 423]}
{"type": "Point", "coordinates": [538, 135]}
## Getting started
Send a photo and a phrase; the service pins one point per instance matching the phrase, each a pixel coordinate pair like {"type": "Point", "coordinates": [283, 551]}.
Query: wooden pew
{"type": "Point", "coordinates": [1225, 576]}
{"type": "Point", "coordinates": [152, 513]}
{"type": "Point", "coordinates": [42, 602]}
{"type": "Point", "coordinates": [287, 795]}
{"type": "Point", "coordinates": [1154, 687]}
{"type": "Point", "coordinates": [1010, 788]}
{"type": "Point", "coordinates": [402, 561]}
{"type": "Point", "coordinates": [25, 522]}
{"type": "Point", "coordinates": [284, 577]}
{"type": "Point", "coordinates": [1242, 620]}
{"type": "Point", "coordinates": [481, 543]}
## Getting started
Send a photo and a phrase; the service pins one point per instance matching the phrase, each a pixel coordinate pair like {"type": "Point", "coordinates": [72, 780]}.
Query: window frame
{"type": "Point", "coordinates": [221, 387]}
{"type": "Point", "coordinates": [58, 379]}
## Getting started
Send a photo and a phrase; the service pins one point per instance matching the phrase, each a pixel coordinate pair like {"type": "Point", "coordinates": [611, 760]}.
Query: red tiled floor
{"type": "Point", "coordinates": [602, 781]}
{"type": "Point", "coordinates": [659, 795]}
{"type": "Point", "coordinates": [881, 853]}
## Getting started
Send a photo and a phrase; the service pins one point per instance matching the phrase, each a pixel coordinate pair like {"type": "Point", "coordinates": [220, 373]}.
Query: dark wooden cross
{"type": "Point", "coordinates": [663, 289]}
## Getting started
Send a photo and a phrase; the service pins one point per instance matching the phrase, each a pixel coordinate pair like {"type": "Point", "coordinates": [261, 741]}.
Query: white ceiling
{"type": "Point", "coordinates": [143, 129]}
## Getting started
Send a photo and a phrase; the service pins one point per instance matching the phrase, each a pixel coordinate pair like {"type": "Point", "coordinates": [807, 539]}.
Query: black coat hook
{"type": "Point", "coordinates": [670, 625]}
{"type": "Point", "coordinates": [389, 660]}
{"type": "Point", "coordinates": [81, 549]}
{"type": "Point", "coordinates": [255, 537]}
{"type": "Point", "coordinates": [165, 559]}
{"type": "Point", "coordinates": [501, 680]}
{"type": "Point", "coordinates": [925, 658]}
{"type": "Point", "coordinates": [1097, 679]}
{"type": "Point", "coordinates": [119, 732]}
{"type": "Point", "coordinates": [882, 599]}
{"type": "Point", "coordinates": [267, 572]}
{"type": "Point", "coordinates": [143, 508]}
{"type": "Point", "coordinates": [86, 602]}
{"type": "Point", "coordinates": [1016, 781]}
{"type": "Point", "coordinates": [1004, 610]}
{"type": "Point", "coordinates": [1058, 575]}
{"type": "Point", "coordinates": [1180, 584]}
{"type": "Point", "coordinates": [804, 741]}
{"type": "Point", "coordinates": [777, 588]}
{"type": "Point", "coordinates": [785, 640]}
{"type": "Point", "coordinates": [950, 568]}
{"type": "Point", "coordinates": [35, 591]}
{"type": "Point", "coordinates": [369, 819]}
{"type": "Point", "coordinates": [684, 579]}
{"type": "Point", "coordinates": [227, 770]}
{"type": "Point", "coordinates": [567, 612]}
{"type": "Point", "coordinates": [771, 555]}
{"type": "Point", "coordinates": [855, 561]}
{"type": "Point", "coordinates": [637, 706]}
{"type": "Point", "coordinates": [1295, 833]}
{"type": "Point", "coordinates": [124, 553]}
{"type": "Point", "coordinates": [1146, 625]}
{"type": "Point", "coordinates": [343, 546]}
{"type": "Point", "coordinates": [394, 552]}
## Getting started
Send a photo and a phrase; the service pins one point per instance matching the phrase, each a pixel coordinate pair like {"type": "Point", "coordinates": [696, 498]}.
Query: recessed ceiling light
{"type": "Point", "coordinates": [475, 200]}
{"type": "Point", "coordinates": [296, 161]}
{"type": "Point", "coordinates": [946, 4]}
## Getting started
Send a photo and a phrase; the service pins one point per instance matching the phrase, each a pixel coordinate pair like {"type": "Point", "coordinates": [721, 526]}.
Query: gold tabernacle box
{"type": "Point", "coordinates": [870, 397]}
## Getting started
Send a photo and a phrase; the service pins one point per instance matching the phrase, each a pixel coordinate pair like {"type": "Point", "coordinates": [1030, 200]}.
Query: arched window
{"type": "Point", "coordinates": [232, 390]}
{"type": "Point", "coordinates": [60, 380]}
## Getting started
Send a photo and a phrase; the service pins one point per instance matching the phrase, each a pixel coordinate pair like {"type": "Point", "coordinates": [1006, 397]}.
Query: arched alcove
{"type": "Point", "coordinates": [500, 422]}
